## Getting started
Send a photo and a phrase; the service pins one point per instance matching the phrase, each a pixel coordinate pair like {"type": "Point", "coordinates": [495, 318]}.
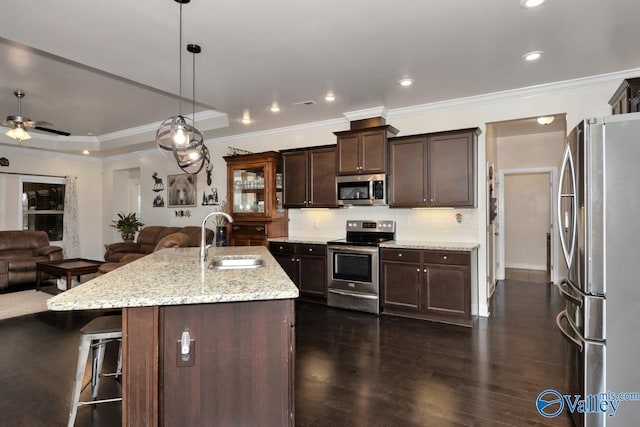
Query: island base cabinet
{"type": "Point", "coordinates": [239, 370]}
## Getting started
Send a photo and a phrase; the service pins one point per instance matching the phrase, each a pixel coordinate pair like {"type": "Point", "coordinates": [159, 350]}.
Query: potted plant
{"type": "Point", "coordinates": [128, 225]}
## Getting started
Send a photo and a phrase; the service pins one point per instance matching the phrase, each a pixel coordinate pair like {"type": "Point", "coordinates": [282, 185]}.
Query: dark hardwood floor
{"type": "Point", "coordinates": [352, 369]}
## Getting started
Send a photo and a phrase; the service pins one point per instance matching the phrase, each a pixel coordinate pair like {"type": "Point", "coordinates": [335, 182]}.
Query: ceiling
{"type": "Point", "coordinates": [108, 73]}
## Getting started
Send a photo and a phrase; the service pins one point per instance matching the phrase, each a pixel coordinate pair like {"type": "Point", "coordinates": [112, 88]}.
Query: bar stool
{"type": "Point", "coordinates": [95, 335]}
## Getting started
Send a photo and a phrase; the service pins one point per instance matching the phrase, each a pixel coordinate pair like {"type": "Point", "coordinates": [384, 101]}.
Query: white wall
{"type": "Point", "coordinates": [527, 219]}
{"type": "Point", "coordinates": [89, 174]}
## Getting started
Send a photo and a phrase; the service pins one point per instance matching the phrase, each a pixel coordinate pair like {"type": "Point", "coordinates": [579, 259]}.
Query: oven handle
{"type": "Point", "coordinates": [353, 294]}
{"type": "Point", "coordinates": [359, 249]}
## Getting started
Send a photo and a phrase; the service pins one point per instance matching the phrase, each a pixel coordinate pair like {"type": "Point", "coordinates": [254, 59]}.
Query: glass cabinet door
{"type": "Point", "coordinates": [248, 190]}
{"type": "Point", "coordinates": [279, 190]}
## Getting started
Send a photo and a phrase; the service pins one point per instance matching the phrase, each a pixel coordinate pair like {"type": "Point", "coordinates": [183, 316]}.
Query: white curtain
{"type": "Point", "coordinates": [70, 239]}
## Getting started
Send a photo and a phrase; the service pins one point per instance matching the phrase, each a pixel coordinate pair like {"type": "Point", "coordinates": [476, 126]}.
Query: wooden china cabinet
{"type": "Point", "coordinates": [254, 193]}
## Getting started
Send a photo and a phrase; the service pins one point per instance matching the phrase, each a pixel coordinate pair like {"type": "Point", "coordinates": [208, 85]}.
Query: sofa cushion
{"type": "Point", "coordinates": [173, 240]}
{"type": "Point", "coordinates": [18, 254]}
{"type": "Point", "coordinates": [23, 239]}
{"type": "Point", "coordinates": [26, 264]}
{"type": "Point", "coordinates": [194, 235]}
{"type": "Point", "coordinates": [150, 236]}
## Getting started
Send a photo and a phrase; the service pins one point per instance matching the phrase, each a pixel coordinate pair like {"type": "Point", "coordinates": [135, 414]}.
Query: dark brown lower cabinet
{"type": "Point", "coordinates": [255, 233]}
{"type": "Point", "coordinates": [306, 265]}
{"type": "Point", "coordinates": [240, 371]}
{"type": "Point", "coordinates": [431, 285]}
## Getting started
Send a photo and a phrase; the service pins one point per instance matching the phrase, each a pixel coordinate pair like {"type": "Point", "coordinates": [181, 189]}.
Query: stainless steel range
{"type": "Point", "coordinates": [353, 279]}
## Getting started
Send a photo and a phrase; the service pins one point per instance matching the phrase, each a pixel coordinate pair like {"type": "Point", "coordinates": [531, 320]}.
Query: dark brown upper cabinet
{"type": "Point", "coordinates": [310, 177]}
{"type": "Point", "coordinates": [433, 170]}
{"type": "Point", "coordinates": [363, 151]}
{"type": "Point", "coordinates": [626, 98]}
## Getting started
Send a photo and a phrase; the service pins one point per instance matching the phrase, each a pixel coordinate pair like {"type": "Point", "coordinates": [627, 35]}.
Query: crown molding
{"type": "Point", "coordinates": [43, 152]}
{"type": "Point", "coordinates": [529, 91]}
{"type": "Point", "coordinates": [367, 113]}
{"type": "Point", "coordinates": [153, 127]}
{"type": "Point", "coordinates": [278, 131]}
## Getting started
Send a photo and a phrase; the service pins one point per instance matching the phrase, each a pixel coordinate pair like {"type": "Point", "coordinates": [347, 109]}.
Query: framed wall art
{"type": "Point", "coordinates": [181, 190]}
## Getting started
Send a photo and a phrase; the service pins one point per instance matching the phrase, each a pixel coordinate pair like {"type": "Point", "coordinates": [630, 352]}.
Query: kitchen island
{"type": "Point", "coordinates": [240, 325]}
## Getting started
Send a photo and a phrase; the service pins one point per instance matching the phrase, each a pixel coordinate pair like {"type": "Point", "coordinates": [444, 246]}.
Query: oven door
{"type": "Point", "coordinates": [353, 278]}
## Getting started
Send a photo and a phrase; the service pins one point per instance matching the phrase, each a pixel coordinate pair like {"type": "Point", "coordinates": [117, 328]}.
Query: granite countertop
{"type": "Point", "coordinates": [175, 276]}
{"type": "Point", "coordinates": [443, 246]}
{"type": "Point", "coordinates": [409, 244]}
{"type": "Point", "coordinates": [308, 240]}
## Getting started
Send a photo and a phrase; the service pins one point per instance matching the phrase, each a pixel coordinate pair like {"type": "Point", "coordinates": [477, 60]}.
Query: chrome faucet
{"type": "Point", "coordinates": [203, 242]}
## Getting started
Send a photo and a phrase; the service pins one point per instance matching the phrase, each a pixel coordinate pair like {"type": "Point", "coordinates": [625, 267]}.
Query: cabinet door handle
{"type": "Point", "coordinates": [444, 257]}
{"type": "Point", "coordinates": [235, 227]}
{"type": "Point", "coordinates": [418, 270]}
{"type": "Point", "coordinates": [424, 200]}
{"type": "Point", "coordinates": [259, 228]}
{"type": "Point", "coordinates": [310, 249]}
{"type": "Point", "coordinates": [293, 260]}
{"type": "Point", "coordinates": [399, 255]}
{"type": "Point", "coordinates": [424, 271]}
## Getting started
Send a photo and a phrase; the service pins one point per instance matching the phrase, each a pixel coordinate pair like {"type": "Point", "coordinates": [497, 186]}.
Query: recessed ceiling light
{"type": "Point", "coordinates": [246, 120]}
{"type": "Point", "coordinates": [406, 82]}
{"type": "Point", "coordinates": [531, 3]}
{"type": "Point", "coordinates": [86, 152]}
{"type": "Point", "coordinates": [330, 97]}
{"type": "Point", "coordinates": [533, 55]}
{"type": "Point", "coordinates": [546, 120]}
{"type": "Point", "coordinates": [275, 108]}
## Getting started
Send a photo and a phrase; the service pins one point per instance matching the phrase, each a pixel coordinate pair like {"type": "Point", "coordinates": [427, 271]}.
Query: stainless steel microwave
{"type": "Point", "coordinates": [361, 190]}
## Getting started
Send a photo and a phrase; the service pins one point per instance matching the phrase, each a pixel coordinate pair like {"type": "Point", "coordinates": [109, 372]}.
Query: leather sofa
{"type": "Point", "coordinates": [20, 251]}
{"type": "Point", "coordinates": [173, 240]}
{"type": "Point", "coordinates": [148, 239]}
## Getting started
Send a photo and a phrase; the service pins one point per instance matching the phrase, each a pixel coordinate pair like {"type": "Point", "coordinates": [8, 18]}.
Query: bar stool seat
{"type": "Point", "coordinates": [95, 335]}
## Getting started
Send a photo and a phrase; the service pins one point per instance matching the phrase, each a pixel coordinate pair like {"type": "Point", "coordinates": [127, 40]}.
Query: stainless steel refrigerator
{"type": "Point", "coordinates": [599, 222]}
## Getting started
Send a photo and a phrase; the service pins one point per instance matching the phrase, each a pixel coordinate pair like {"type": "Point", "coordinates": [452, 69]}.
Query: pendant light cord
{"type": "Point", "coordinates": [180, 64]}
{"type": "Point", "coordinates": [193, 96]}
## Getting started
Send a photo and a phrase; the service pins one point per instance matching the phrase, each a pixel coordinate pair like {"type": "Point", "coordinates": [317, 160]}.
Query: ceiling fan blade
{"type": "Point", "coordinates": [57, 132]}
{"type": "Point", "coordinates": [40, 123]}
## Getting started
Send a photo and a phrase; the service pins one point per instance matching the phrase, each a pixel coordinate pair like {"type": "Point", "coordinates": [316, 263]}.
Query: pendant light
{"type": "Point", "coordinates": [178, 135]}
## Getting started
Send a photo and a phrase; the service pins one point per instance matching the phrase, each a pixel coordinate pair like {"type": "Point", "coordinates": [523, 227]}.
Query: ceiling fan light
{"type": "Point", "coordinates": [19, 133]}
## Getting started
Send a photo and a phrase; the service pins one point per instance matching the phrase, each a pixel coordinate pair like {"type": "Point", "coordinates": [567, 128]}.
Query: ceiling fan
{"type": "Point", "coordinates": [18, 125]}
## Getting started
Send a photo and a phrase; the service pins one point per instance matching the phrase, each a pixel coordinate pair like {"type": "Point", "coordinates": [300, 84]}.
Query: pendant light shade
{"type": "Point", "coordinates": [177, 136]}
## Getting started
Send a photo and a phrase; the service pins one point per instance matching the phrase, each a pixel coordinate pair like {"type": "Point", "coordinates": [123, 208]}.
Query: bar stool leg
{"type": "Point", "coordinates": [98, 359]}
{"type": "Point", "coordinates": [119, 367]}
{"type": "Point", "coordinates": [83, 354]}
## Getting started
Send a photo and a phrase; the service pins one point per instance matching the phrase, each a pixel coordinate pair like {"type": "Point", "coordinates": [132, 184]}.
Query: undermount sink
{"type": "Point", "coordinates": [229, 262]}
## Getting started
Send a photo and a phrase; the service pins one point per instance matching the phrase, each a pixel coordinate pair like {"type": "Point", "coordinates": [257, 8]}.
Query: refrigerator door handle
{"type": "Point", "coordinates": [577, 301]}
{"type": "Point", "coordinates": [578, 342]}
{"type": "Point", "coordinates": [568, 247]}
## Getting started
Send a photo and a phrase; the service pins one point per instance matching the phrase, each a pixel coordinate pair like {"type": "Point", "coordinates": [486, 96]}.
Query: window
{"type": "Point", "coordinates": [42, 205]}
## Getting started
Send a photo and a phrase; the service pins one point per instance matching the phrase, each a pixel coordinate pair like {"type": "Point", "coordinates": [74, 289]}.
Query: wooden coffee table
{"type": "Point", "coordinates": [66, 267]}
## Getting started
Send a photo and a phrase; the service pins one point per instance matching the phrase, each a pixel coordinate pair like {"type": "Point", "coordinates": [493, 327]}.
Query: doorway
{"type": "Point", "coordinates": [526, 221]}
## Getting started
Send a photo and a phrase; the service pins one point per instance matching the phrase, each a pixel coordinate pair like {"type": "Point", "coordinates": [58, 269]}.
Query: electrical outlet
{"type": "Point", "coordinates": [188, 359]}
{"type": "Point", "coordinates": [405, 220]}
